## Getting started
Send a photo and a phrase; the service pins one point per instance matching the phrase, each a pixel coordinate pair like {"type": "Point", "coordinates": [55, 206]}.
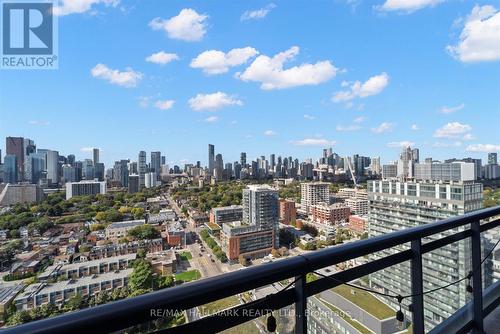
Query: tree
{"type": "Point", "coordinates": [18, 318]}
{"type": "Point", "coordinates": [145, 231]}
{"type": "Point", "coordinates": [138, 213]}
{"type": "Point", "coordinates": [141, 277]}
{"type": "Point", "coordinates": [165, 281]}
{"type": "Point", "coordinates": [74, 303]}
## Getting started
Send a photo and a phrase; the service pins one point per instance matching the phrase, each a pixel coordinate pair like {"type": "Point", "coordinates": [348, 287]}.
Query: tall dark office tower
{"type": "Point", "coordinates": [71, 159]}
{"type": "Point", "coordinates": [142, 168]}
{"type": "Point", "coordinates": [272, 161]}
{"type": "Point", "coordinates": [219, 166]}
{"type": "Point", "coordinates": [29, 148]}
{"type": "Point", "coordinates": [10, 169]}
{"type": "Point", "coordinates": [99, 171]}
{"type": "Point", "coordinates": [163, 160]}
{"type": "Point", "coordinates": [211, 159]}
{"type": "Point", "coordinates": [155, 162]}
{"type": "Point", "coordinates": [15, 146]}
{"type": "Point", "coordinates": [121, 173]}
{"type": "Point", "coordinates": [492, 159]}
{"type": "Point", "coordinates": [95, 156]}
{"type": "Point", "coordinates": [243, 159]}
{"type": "Point", "coordinates": [0, 157]}
{"type": "Point", "coordinates": [198, 164]}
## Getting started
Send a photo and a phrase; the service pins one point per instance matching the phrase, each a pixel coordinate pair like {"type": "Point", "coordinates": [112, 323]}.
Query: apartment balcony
{"type": "Point", "coordinates": [479, 314]}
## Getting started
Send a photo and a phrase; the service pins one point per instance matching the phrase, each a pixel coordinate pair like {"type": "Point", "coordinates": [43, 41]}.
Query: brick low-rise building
{"type": "Point", "coordinates": [248, 241]}
{"type": "Point", "coordinates": [358, 224]}
{"type": "Point", "coordinates": [288, 212]}
{"type": "Point", "coordinates": [333, 214]}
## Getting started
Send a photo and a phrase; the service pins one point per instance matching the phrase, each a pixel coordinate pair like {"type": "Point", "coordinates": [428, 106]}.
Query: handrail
{"type": "Point", "coordinates": [125, 313]}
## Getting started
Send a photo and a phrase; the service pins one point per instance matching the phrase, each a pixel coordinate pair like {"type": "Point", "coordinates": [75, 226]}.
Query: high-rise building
{"type": "Point", "coordinates": [28, 149]}
{"type": "Point", "coordinates": [397, 205]}
{"type": "Point", "coordinates": [211, 159]}
{"type": "Point", "coordinates": [406, 163]}
{"type": "Point", "coordinates": [10, 169]}
{"type": "Point", "coordinates": [38, 167]}
{"type": "Point", "coordinates": [155, 162]}
{"type": "Point", "coordinates": [272, 161]}
{"type": "Point", "coordinates": [454, 171]}
{"type": "Point", "coordinates": [218, 167]}
{"type": "Point", "coordinates": [258, 232]}
{"type": "Point", "coordinates": [243, 159]}
{"type": "Point", "coordinates": [121, 173]}
{"type": "Point", "coordinates": [15, 146]}
{"type": "Point", "coordinates": [492, 159]}
{"type": "Point", "coordinates": [226, 214]}
{"type": "Point", "coordinates": [312, 193]}
{"type": "Point", "coordinates": [95, 156]}
{"type": "Point", "coordinates": [69, 173]}
{"type": "Point", "coordinates": [85, 188]}
{"type": "Point", "coordinates": [142, 169]}
{"type": "Point", "coordinates": [375, 166]}
{"type": "Point", "coordinates": [288, 212]}
{"type": "Point", "coordinates": [133, 183]}
{"type": "Point", "coordinates": [99, 171]}
{"type": "Point", "coordinates": [52, 163]}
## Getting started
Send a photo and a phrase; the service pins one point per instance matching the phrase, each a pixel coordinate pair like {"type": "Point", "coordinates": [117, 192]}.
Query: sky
{"type": "Point", "coordinates": [283, 77]}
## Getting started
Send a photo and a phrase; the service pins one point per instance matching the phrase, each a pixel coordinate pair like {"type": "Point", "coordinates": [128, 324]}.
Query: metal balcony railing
{"type": "Point", "coordinates": [123, 314]}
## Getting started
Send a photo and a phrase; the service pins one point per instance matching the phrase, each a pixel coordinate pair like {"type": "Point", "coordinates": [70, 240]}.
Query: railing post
{"type": "Point", "coordinates": [300, 305]}
{"type": "Point", "coordinates": [477, 281]}
{"type": "Point", "coordinates": [417, 287]}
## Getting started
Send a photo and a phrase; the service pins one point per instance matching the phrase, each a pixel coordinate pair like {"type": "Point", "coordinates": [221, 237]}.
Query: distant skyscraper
{"type": "Point", "coordinates": [164, 160]}
{"type": "Point", "coordinates": [211, 159]}
{"type": "Point", "coordinates": [71, 159]}
{"type": "Point", "coordinates": [142, 169]}
{"type": "Point", "coordinates": [52, 161]}
{"type": "Point", "coordinates": [10, 169]}
{"type": "Point", "coordinates": [38, 166]}
{"type": "Point", "coordinates": [156, 162]}
{"type": "Point", "coordinates": [15, 146]}
{"type": "Point", "coordinates": [219, 166]}
{"type": "Point", "coordinates": [121, 173]}
{"type": "Point", "coordinates": [133, 183]}
{"type": "Point", "coordinates": [492, 159]}
{"type": "Point", "coordinates": [272, 161]}
{"type": "Point", "coordinates": [28, 149]}
{"type": "Point", "coordinates": [243, 159]}
{"type": "Point", "coordinates": [95, 156]}
{"type": "Point", "coordinates": [69, 173]}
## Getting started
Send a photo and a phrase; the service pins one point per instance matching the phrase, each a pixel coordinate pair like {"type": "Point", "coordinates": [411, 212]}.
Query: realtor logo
{"type": "Point", "coordinates": [29, 35]}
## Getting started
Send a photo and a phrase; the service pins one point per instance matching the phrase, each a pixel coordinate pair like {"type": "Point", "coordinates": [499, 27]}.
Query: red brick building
{"type": "Point", "coordinates": [330, 214]}
{"type": "Point", "coordinates": [288, 212]}
{"type": "Point", "coordinates": [357, 224]}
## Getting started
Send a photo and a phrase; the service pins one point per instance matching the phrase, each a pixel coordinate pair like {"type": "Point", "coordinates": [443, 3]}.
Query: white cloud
{"type": "Point", "coordinates": [66, 7]}
{"type": "Point", "coordinates": [258, 13]}
{"type": "Point", "coordinates": [128, 78]}
{"type": "Point", "coordinates": [162, 58]}
{"type": "Point", "coordinates": [212, 119]}
{"type": "Point", "coordinates": [270, 73]}
{"type": "Point", "coordinates": [469, 136]}
{"type": "Point", "coordinates": [486, 148]}
{"type": "Point", "coordinates": [383, 127]}
{"type": "Point", "coordinates": [39, 122]}
{"type": "Point", "coordinates": [88, 149]}
{"type": "Point", "coordinates": [449, 110]}
{"type": "Point", "coordinates": [309, 117]}
{"type": "Point", "coordinates": [348, 128]}
{"type": "Point", "coordinates": [213, 101]}
{"type": "Point", "coordinates": [164, 104]}
{"type": "Point", "coordinates": [269, 133]}
{"type": "Point", "coordinates": [217, 62]}
{"type": "Point", "coordinates": [359, 119]}
{"type": "Point", "coordinates": [373, 86]}
{"type": "Point", "coordinates": [400, 144]}
{"type": "Point", "coordinates": [313, 142]}
{"type": "Point", "coordinates": [452, 130]}
{"type": "Point", "coordinates": [480, 37]}
{"type": "Point", "coordinates": [447, 145]}
{"type": "Point", "coordinates": [407, 5]}
{"type": "Point", "coordinates": [187, 26]}
{"type": "Point", "coordinates": [414, 127]}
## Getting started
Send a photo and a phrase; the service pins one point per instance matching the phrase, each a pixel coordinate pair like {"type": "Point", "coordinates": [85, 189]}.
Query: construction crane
{"type": "Point", "coordinates": [351, 169]}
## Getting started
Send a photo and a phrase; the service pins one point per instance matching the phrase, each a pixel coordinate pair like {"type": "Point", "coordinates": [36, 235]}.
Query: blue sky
{"type": "Point", "coordinates": [361, 76]}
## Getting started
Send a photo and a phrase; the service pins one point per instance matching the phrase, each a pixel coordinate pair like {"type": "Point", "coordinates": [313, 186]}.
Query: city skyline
{"type": "Point", "coordinates": [323, 90]}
